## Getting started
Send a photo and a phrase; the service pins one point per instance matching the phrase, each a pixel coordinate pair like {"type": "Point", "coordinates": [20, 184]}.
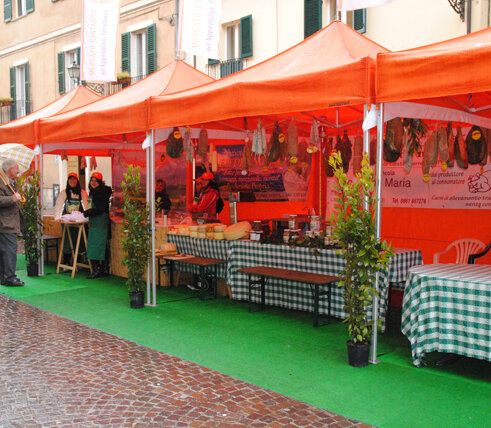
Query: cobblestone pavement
{"type": "Point", "coordinates": [56, 372]}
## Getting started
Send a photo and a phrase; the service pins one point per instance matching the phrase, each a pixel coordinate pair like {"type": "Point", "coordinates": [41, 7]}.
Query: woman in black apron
{"type": "Point", "coordinates": [72, 198]}
{"type": "Point", "coordinates": [98, 214]}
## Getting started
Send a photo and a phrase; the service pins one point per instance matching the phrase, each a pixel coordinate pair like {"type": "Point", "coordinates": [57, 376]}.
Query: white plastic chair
{"type": "Point", "coordinates": [463, 247]}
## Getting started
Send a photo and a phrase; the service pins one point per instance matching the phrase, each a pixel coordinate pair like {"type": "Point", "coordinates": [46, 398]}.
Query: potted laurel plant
{"type": "Point", "coordinates": [365, 255]}
{"type": "Point", "coordinates": [136, 236]}
{"type": "Point", "coordinates": [31, 212]}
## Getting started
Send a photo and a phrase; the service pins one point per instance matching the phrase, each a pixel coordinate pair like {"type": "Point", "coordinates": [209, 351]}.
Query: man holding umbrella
{"type": "Point", "coordinates": [11, 223]}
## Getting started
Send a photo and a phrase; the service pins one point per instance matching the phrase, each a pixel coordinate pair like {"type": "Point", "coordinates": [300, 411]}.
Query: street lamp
{"type": "Point", "coordinates": [74, 72]}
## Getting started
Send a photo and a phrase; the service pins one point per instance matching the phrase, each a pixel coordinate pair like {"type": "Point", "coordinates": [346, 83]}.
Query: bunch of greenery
{"type": "Point", "coordinates": [354, 227]}
{"type": "Point", "coordinates": [31, 211]}
{"type": "Point", "coordinates": [136, 230]}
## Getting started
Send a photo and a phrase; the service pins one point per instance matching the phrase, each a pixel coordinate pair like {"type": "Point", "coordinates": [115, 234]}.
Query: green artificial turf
{"type": "Point", "coordinates": [276, 349]}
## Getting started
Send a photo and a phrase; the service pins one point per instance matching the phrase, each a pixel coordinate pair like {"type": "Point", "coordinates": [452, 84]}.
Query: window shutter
{"type": "Point", "coordinates": [312, 16]}
{"type": "Point", "coordinates": [78, 56]}
{"type": "Point", "coordinates": [360, 20]}
{"type": "Point", "coordinates": [246, 36]}
{"type": "Point", "coordinates": [13, 94]}
{"type": "Point", "coordinates": [212, 61]}
{"type": "Point", "coordinates": [125, 52]}
{"type": "Point", "coordinates": [29, 6]}
{"type": "Point", "coordinates": [27, 88]}
{"type": "Point", "coordinates": [7, 11]}
{"type": "Point", "coordinates": [151, 48]}
{"type": "Point", "coordinates": [61, 72]}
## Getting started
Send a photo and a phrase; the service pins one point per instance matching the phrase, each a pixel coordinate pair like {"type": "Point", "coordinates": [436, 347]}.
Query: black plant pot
{"type": "Point", "coordinates": [358, 354]}
{"type": "Point", "coordinates": [137, 299]}
{"type": "Point", "coordinates": [32, 269]}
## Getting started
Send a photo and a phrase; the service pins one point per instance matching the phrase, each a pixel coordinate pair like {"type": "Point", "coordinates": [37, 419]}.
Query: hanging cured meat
{"type": "Point", "coordinates": [442, 143]}
{"type": "Point", "coordinates": [357, 153]}
{"type": "Point", "coordinates": [343, 145]}
{"type": "Point", "coordinates": [188, 145]}
{"type": "Point", "coordinates": [247, 161]}
{"type": "Point", "coordinates": [174, 145]}
{"type": "Point", "coordinates": [430, 155]}
{"type": "Point", "coordinates": [393, 140]}
{"type": "Point", "coordinates": [451, 147]}
{"type": "Point", "coordinates": [407, 156]}
{"type": "Point", "coordinates": [292, 142]}
{"type": "Point", "coordinates": [93, 163]}
{"type": "Point", "coordinates": [203, 143]}
{"type": "Point", "coordinates": [314, 137]}
{"type": "Point", "coordinates": [373, 151]}
{"type": "Point", "coordinates": [476, 146]}
{"type": "Point", "coordinates": [276, 144]}
{"type": "Point", "coordinates": [259, 143]}
{"type": "Point", "coordinates": [328, 169]}
{"type": "Point", "coordinates": [83, 162]}
{"type": "Point", "coordinates": [460, 150]}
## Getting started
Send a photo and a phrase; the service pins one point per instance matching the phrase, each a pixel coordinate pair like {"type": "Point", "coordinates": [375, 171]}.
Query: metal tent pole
{"type": "Point", "coordinates": [378, 188]}
{"type": "Point", "coordinates": [41, 197]}
{"type": "Point", "coordinates": [152, 213]}
{"type": "Point", "coordinates": [147, 153]}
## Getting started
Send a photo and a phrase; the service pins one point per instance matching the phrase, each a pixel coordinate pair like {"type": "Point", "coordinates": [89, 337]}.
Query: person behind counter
{"type": "Point", "coordinates": [207, 202]}
{"type": "Point", "coordinates": [72, 198]}
{"type": "Point", "coordinates": [162, 200]}
{"type": "Point", "coordinates": [99, 230]}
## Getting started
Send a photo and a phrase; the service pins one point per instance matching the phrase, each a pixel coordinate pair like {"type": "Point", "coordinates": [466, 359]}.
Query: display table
{"type": "Point", "coordinates": [65, 226]}
{"type": "Point", "coordinates": [447, 308]}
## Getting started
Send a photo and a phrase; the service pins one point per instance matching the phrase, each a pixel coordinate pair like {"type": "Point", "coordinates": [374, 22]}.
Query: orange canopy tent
{"type": "Point", "coordinates": [331, 69]}
{"type": "Point", "coordinates": [24, 129]}
{"type": "Point", "coordinates": [450, 80]}
{"type": "Point", "coordinates": [121, 117]}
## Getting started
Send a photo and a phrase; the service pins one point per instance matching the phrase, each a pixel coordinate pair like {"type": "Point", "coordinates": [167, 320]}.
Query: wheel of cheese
{"type": "Point", "coordinates": [202, 229]}
{"type": "Point", "coordinates": [237, 231]}
{"type": "Point", "coordinates": [168, 247]}
{"type": "Point", "coordinates": [193, 228]}
{"type": "Point", "coordinates": [193, 234]}
{"type": "Point", "coordinates": [202, 235]}
{"type": "Point", "coordinates": [219, 235]}
{"type": "Point", "coordinates": [220, 228]}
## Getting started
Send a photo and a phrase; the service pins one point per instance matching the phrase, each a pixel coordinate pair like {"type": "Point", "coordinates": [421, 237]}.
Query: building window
{"type": "Point", "coordinates": [16, 8]}
{"type": "Point", "coordinates": [138, 52]}
{"type": "Point", "coordinates": [19, 90]}
{"type": "Point", "coordinates": [360, 20]}
{"type": "Point", "coordinates": [312, 17]}
{"type": "Point", "coordinates": [232, 41]}
{"type": "Point", "coordinates": [238, 38]}
{"type": "Point", "coordinates": [65, 60]}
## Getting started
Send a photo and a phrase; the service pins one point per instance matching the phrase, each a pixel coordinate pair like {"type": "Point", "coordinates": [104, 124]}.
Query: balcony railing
{"type": "Point", "coordinates": [109, 88]}
{"type": "Point", "coordinates": [17, 109]}
{"type": "Point", "coordinates": [224, 68]}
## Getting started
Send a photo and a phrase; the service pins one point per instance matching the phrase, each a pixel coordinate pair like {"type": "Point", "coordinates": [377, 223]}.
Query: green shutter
{"type": "Point", "coordinates": [13, 94]}
{"type": "Point", "coordinates": [360, 20]}
{"type": "Point", "coordinates": [78, 56]}
{"type": "Point", "coordinates": [29, 6]}
{"type": "Point", "coordinates": [7, 10]}
{"type": "Point", "coordinates": [212, 61]}
{"type": "Point", "coordinates": [312, 16]}
{"type": "Point", "coordinates": [151, 49]}
{"type": "Point", "coordinates": [246, 36]}
{"type": "Point", "coordinates": [125, 52]}
{"type": "Point", "coordinates": [61, 72]}
{"type": "Point", "coordinates": [27, 88]}
{"type": "Point", "coordinates": [54, 0]}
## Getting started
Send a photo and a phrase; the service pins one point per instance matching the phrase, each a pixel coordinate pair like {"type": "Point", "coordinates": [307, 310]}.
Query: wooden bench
{"type": "Point", "coordinates": [207, 271]}
{"type": "Point", "coordinates": [315, 280]}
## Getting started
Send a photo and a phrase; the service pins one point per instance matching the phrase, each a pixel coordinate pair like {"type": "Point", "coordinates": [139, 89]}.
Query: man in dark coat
{"type": "Point", "coordinates": [11, 223]}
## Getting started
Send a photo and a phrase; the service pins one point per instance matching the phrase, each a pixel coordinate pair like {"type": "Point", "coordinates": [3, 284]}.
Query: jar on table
{"type": "Point", "coordinates": [292, 222]}
{"type": "Point", "coordinates": [286, 236]}
{"type": "Point", "coordinates": [256, 231]}
{"type": "Point", "coordinates": [315, 224]}
{"type": "Point", "coordinates": [328, 240]}
{"type": "Point", "coordinates": [295, 234]}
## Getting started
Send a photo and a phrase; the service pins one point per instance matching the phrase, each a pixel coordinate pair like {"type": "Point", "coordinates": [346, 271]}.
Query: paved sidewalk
{"type": "Point", "coordinates": [55, 372]}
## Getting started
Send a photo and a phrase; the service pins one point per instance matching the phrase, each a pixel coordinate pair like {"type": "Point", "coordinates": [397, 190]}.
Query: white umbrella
{"type": "Point", "coordinates": [19, 153]}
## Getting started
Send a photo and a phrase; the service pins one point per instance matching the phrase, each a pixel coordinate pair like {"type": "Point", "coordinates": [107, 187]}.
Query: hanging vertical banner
{"type": "Point", "coordinates": [199, 26]}
{"type": "Point", "coordinates": [99, 29]}
{"type": "Point", "coordinates": [360, 4]}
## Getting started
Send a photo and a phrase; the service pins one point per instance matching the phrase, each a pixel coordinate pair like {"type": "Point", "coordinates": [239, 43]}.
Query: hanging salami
{"type": "Point", "coordinates": [460, 150]}
{"type": "Point", "coordinates": [328, 169]}
{"type": "Point", "coordinates": [476, 146]}
{"type": "Point", "coordinates": [174, 145]}
{"type": "Point", "coordinates": [357, 153]}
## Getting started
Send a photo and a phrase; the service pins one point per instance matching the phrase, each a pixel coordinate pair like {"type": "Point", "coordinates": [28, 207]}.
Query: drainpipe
{"type": "Point", "coordinates": [469, 16]}
{"type": "Point", "coordinates": [176, 29]}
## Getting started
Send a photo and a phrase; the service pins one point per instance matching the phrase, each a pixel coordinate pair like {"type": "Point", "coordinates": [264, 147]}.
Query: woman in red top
{"type": "Point", "coordinates": [207, 202]}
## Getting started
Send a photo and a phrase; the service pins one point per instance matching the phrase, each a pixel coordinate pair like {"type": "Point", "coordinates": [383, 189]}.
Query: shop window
{"type": "Point", "coordinates": [138, 52]}
{"type": "Point", "coordinates": [19, 90]}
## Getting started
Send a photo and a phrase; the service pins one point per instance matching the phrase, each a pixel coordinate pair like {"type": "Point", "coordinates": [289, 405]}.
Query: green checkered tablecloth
{"type": "Point", "coordinates": [214, 249]}
{"type": "Point", "coordinates": [287, 294]}
{"type": "Point", "coordinates": [403, 259]}
{"type": "Point", "coordinates": [447, 308]}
